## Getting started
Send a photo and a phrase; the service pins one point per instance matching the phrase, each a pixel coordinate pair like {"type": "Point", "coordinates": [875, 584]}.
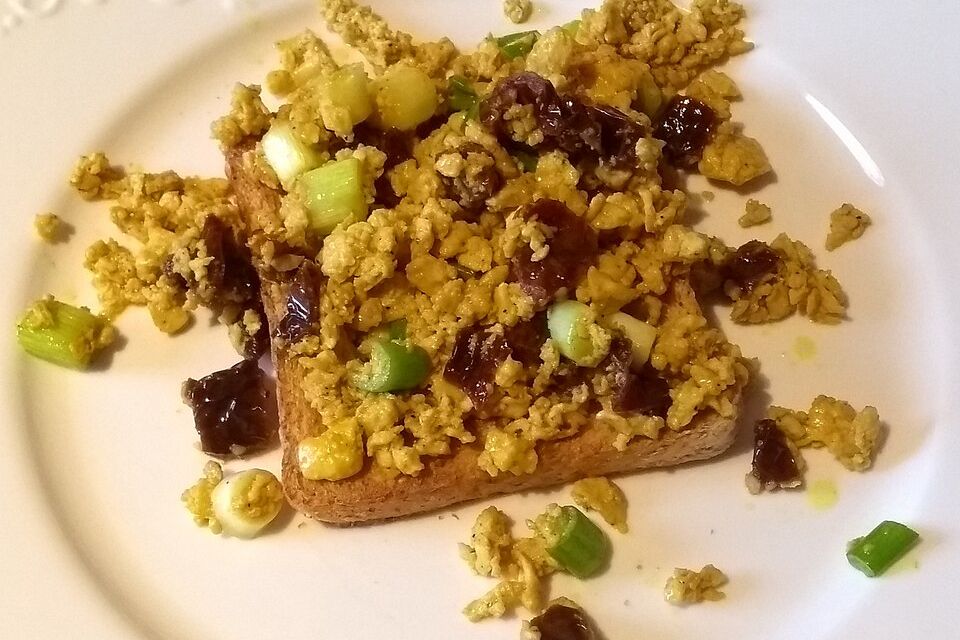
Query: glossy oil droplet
{"type": "Point", "coordinates": [822, 494]}
{"type": "Point", "coordinates": [804, 348]}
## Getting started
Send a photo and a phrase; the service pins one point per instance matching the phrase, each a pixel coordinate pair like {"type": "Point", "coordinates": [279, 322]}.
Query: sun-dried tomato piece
{"type": "Point", "coordinates": [526, 338]}
{"type": "Point", "coordinates": [573, 248]}
{"type": "Point", "coordinates": [230, 410]}
{"type": "Point", "coordinates": [644, 392]}
{"type": "Point", "coordinates": [473, 364]}
{"type": "Point", "coordinates": [303, 296]}
{"type": "Point", "coordinates": [583, 131]}
{"type": "Point", "coordinates": [560, 622]}
{"type": "Point", "coordinates": [751, 264]}
{"type": "Point", "coordinates": [233, 279]}
{"type": "Point", "coordinates": [230, 273]}
{"type": "Point", "coordinates": [774, 464]}
{"type": "Point", "coordinates": [685, 127]}
{"type": "Point", "coordinates": [473, 186]}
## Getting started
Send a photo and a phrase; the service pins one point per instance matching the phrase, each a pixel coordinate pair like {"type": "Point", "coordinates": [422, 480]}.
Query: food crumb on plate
{"type": "Point", "coordinates": [686, 586]}
{"type": "Point", "coordinates": [50, 227]}
{"type": "Point", "coordinates": [850, 435]}
{"type": "Point", "coordinates": [198, 500]}
{"type": "Point", "coordinates": [517, 11]}
{"type": "Point", "coordinates": [604, 497]}
{"type": "Point", "coordinates": [755, 212]}
{"type": "Point", "coordinates": [846, 223]}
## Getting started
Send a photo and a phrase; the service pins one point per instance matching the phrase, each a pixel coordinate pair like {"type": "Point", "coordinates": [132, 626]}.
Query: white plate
{"type": "Point", "coordinates": [852, 103]}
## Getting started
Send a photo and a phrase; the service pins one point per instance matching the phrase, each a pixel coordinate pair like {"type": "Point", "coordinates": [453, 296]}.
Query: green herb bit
{"type": "Point", "coordinates": [881, 548]}
{"type": "Point", "coordinates": [63, 334]}
{"type": "Point", "coordinates": [526, 156]}
{"type": "Point", "coordinates": [573, 540]}
{"type": "Point", "coordinates": [396, 330]}
{"type": "Point", "coordinates": [514, 45]}
{"type": "Point", "coordinates": [333, 194]}
{"type": "Point", "coordinates": [460, 94]}
{"type": "Point", "coordinates": [393, 366]}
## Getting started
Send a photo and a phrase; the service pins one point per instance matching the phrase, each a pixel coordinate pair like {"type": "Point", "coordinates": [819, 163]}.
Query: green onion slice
{"type": "Point", "coordinates": [393, 366]}
{"type": "Point", "coordinates": [63, 334]}
{"type": "Point", "coordinates": [333, 193]}
{"type": "Point", "coordinates": [580, 547]}
{"type": "Point", "coordinates": [460, 94]}
{"type": "Point", "coordinates": [289, 156]}
{"type": "Point", "coordinates": [515, 45]}
{"type": "Point", "coordinates": [881, 548]}
{"type": "Point", "coordinates": [570, 324]}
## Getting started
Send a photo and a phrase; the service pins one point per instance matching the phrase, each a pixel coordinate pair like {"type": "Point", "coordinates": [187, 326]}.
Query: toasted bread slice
{"type": "Point", "coordinates": [374, 495]}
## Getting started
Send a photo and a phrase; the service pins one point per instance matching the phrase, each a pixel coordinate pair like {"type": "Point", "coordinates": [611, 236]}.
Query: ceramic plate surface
{"type": "Point", "coordinates": [854, 102]}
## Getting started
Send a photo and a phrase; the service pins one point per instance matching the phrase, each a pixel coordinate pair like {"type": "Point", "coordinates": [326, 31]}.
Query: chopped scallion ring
{"type": "Point", "coordinates": [876, 552]}
{"type": "Point", "coordinates": [580, 547]}
{"type": "Point", "coordinates": [515, 45]}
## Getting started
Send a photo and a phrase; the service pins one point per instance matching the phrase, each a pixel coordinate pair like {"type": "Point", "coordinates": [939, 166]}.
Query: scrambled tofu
{"type": "Point", "coordinates": [198, 498]}
{"type": "Point", "coordinates": [846, 223]}
{"type": "Point", "coordinates": [184, 254]}
{"type": "Point", "coordinates": [50, 227]}
{"type": "Point", "coordinates": [850, 435]}
{"type": "Point", "coordinates": [450, 213]}
{"type": "Point", "coordinates": [604, 497]}
{"type": "Point", "coordinates": [517, 11]}
{"type": "Point", "coordinates": [794, 285]}
{"type": "Point", "coordinates": [755, 212]}
{"type": "Point", "coordinates": [520, 564]}
{"type": "Point", "coordinates": [733, 157]}
{"type": "Point", "coordinates": [686, 586]}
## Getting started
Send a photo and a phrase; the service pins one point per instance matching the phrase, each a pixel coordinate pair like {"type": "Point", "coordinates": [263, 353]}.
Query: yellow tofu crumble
{"type": "Point", "coordinates": [755, 212]}
{"type": "Point", "coordinates": [517, 11]}
{"type": "Point", "coordinates": [686, 586]}
{"type": "Point", "coordinates": [50, 227]}
{"type": "Point", "coordinates": [846, 223]}
{"type": "Point", "coordinates": [197, 499]}
{"type": "Point", "coordinates": [850, 435]}
{"type": "Point", "coordinates": [520, 564]}
{"type": "Point", "coordinates": [604, 497]}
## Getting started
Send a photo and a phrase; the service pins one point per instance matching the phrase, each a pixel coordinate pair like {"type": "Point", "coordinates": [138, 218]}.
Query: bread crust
{"type": "Point", "coordinates": [373, 495]}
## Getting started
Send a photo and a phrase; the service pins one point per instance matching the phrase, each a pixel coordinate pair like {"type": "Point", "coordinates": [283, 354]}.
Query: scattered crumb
{"type": "Point", "coordinates": [604, 497]}
{"type": "Point", "coordinates": [708, 196]}
{"type": "Point", "coordinates": [689, 587]}
{"type": "Point", "coordinates": [755, 212]}
{"type": "Point", "coordinates": [626, 603]}
{"type": "Point", "coordinates": [301, 525]}
{"type": "Point", "coordinates": [517, 11]}
{"type": "Point", "coordinates": [454, 516]}
{"type": "Point", "coordinates": [846, 223]}
{"type": "Point", "coordinates": [51, 228]}
{"type": "Point", "coordinates": [197, 498]}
